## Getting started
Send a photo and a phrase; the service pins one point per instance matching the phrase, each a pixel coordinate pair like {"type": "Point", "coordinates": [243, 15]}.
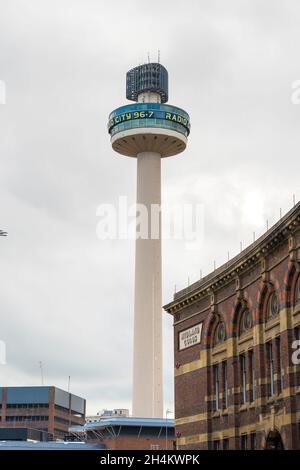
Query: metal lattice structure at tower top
{"type": "Point", "coordinates": [148, 130]}
{"type": "Point", "coordinates": [151, 77]}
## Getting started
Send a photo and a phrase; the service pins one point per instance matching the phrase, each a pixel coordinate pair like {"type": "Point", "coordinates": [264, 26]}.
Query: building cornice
{"type": "Point", "coordinates": [250, 256]}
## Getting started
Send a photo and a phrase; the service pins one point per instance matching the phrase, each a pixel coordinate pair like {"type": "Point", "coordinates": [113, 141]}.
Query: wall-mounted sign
{"type": "Point", "coordinates": [149, 114]}
{"type": "Point", "coordinates": [139, 112]}
{"type": "Point", "coordinates": [190, 337]}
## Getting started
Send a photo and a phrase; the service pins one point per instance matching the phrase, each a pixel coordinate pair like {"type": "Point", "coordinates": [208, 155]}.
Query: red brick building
{"type": "Point", "coordinates": [237, 384]}
{"type": "Point", "coordinates": [47, 409]}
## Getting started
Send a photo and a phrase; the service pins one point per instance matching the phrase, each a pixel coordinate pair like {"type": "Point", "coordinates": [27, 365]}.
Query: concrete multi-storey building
{"type": "Point", "coordinates": [237, 382]}
{"type": "Point", "coordinates": [47, 409]}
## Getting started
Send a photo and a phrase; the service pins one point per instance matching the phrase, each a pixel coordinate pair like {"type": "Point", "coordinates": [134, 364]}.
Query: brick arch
{"type": "Point", "coordinates": [274, 440]}
{"type": "Point", "coordinates": [209, 327]}
{"type": "Point", "coordinates": [290, 282]}
{"type": "Point", "coordinates": [212, 323]}
{"type": "Point", "coordinates": [240, 306]}
{"type": "Point", "coordinates": [296, 279]}
{"type": "Point", "coordinates": [262, 300]}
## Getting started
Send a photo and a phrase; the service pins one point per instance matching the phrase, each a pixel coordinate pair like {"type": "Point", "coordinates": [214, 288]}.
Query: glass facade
{"type": "Point", "coordinates": [24, 395]}
{"type": "Point", "coordinates": [154, 123]}
{"type": "Point", "coordinates": [146, 106]}
{"type": "Point", "coordinates": [143, 115]}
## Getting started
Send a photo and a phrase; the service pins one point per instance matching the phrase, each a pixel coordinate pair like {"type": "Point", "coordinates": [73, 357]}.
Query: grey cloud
{"type": "Point", "coordinates": [65, 297]}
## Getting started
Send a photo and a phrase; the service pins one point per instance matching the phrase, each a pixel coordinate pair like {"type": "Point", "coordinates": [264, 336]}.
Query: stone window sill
{"type": "Point", "coordinates": [243, 407]}
{"type": "Point", "coordinates": [272, 323]}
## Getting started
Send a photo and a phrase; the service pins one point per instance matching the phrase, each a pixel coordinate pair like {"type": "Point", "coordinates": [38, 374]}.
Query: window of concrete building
{"type": "Point", "coordinates": [270, 359]}
{"type": "Point", "coordinates": [58, 419]}
{"type": "Point", "coordinates": [244, 442]}
{"type": "Point", "coordinates": [243, 377]}
{"type": "Point", "coordinates": [27, 405]}
{"type": "Point", "coordinates": [273, 306]}
{"type": "Point", "coordinates": [61, 408]}
{"type": "Point", "coordinates": [216, 375]}
{"type": "Point", "coordinates": [252, 375]}
{"type": "Point", "coordinates": [27, 418]}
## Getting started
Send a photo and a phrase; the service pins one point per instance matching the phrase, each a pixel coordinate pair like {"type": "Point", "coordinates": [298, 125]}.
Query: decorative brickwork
{"type": "Point", "coordinates": [239, 388]}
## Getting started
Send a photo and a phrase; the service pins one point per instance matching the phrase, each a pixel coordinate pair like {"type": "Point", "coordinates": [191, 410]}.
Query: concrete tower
{"type": "Point", "coordinates": [148, 131]}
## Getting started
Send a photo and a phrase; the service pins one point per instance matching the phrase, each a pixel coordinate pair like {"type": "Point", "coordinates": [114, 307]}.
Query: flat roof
{"type": "Point", "coordinates": [133, 422]}
{"type": "Point", "coordinates": [51, 445]}
{"type": "Point", "coordinates": [280, 229]}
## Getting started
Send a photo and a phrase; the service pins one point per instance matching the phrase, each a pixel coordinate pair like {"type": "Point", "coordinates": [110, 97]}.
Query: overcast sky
{"type": "Point", "coordinates": [66, 298]}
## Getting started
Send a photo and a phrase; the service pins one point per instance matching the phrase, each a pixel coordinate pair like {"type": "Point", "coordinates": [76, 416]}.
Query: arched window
{"type": "Point", "coordinates": [220, 333]}
{"type": "Point", "coordinates": [246, 322]}
{"type": "Point", "coordinates": [273, 306]}
{"type": "Point", "coordinates": [297, 291]}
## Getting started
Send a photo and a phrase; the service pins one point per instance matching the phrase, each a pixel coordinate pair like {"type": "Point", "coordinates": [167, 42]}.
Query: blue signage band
{"type": "Point", "coordinates": [149, 115]}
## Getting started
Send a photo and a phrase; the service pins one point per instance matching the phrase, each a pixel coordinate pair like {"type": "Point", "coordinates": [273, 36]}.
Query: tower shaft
{"type": "Point", "coordinates": [148, 130]}
{"type": "Point", "coordinates": [147, 361]}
